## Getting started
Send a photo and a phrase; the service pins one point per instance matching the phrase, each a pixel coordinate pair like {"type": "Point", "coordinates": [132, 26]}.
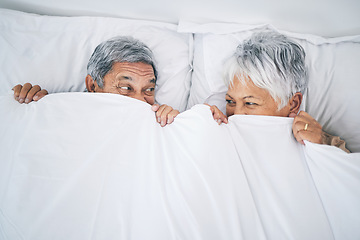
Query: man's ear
{"type": "Point", "coordinates": [295, 102]}
{"type": "Point", "coordinates": [90, 83]}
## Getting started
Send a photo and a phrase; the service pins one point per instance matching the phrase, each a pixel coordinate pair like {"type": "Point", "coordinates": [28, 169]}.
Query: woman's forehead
{"type": "Point", "coordinates": [243, 89]}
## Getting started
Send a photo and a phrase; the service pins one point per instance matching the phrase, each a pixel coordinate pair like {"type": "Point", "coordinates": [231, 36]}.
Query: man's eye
{"type": "Point", "coordinates": [229, 101]}
{"type": "Point", "coordinates": [150, 89]}
{"type": "Point", "coordinates": [124, 88]}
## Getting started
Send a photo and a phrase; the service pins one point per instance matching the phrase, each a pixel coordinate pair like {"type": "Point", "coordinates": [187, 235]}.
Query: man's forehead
{"type": "Point", "coordinates": [131, 72]}
{"type": "Point", "coordinates": [134, 67]}
{"type": "Point", "coordinates": [125, 77]}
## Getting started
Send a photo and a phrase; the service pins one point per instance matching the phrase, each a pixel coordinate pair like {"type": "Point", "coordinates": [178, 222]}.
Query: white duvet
{"type": "Point", "coordinates": [98, 166]}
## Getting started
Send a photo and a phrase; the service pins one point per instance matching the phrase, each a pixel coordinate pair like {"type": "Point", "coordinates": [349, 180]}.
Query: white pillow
{"type": "Point", "coordinates": [53, 52]}
{"type": "Point", "coordinates": [333, 96]}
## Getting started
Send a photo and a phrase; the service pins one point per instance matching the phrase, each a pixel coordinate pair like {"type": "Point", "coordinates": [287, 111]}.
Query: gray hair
{"type": "Point", "coordinates": [118, 49]}
{"type": "Point", "coordinates": [272, 62]}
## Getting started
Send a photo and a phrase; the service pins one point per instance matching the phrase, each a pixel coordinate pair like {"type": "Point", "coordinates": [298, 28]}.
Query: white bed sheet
{"type": "Point", "coordinates": [104, 169]}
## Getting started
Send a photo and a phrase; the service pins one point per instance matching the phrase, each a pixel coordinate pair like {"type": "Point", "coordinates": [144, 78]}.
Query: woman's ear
{"type": "Point", "coordinates": [295, 102]}
{"type": "Point", "coordinates": [90, 83]}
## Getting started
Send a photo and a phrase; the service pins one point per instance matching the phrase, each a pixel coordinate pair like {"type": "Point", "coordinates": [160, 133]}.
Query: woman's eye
{"type": "Point", "coordinates": [251, 103]}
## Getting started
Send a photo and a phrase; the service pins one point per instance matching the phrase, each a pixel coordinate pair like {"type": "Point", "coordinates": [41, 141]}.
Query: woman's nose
{"type": "Point", "coordinates": [240, 110]}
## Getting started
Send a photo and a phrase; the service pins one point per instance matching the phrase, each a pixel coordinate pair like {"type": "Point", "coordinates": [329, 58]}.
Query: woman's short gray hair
{"type": "Point", "coordinates": [118, 49]}
{"type": "Point", "coordinates": [272, 62]}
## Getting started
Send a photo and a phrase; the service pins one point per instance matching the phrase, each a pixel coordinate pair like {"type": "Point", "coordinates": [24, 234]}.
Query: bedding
{"type": "Point", "coordinates": [53, 52]}
{"type": "Point", "coordinates": [333, 69]}
{"type": "Point", "coordinates": [98, 166]}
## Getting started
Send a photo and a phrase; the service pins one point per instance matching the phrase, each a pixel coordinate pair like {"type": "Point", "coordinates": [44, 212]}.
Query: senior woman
{"type": "Point", "coordinates": [267, 76]}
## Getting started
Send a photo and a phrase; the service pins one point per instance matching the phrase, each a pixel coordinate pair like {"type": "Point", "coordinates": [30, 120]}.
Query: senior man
{"type": "Point", "coordinates": [121, 65]}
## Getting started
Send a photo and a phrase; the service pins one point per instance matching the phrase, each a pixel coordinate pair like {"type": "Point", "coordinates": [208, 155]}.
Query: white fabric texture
{"type": "Point", "coordinates": [333, 67]}
{"type": "Point", "coordinates": [53, 52]}
{"type": "Point", "coordinates": [98, 166]}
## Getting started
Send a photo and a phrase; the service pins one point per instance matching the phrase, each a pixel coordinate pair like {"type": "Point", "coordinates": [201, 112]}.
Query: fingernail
{"type": "Point", "coordinates": [35, 97]}
{"type": "Point", "coordinates": [27, 100]}
{"type": "Point", "coordinates": [159, 120]}
{"type": "Point", "coordinates": [21, 100]}
{"type": "Point", "coordinates": [219, 121]}
{"type": "Point", "coordinates": [169, 120]}
{"type": "Point", "coordinates": [162, 123]}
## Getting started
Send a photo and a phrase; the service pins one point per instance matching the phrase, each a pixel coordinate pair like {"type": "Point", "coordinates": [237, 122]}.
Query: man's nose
{"type": "Point", "coordinates": [140, 97]}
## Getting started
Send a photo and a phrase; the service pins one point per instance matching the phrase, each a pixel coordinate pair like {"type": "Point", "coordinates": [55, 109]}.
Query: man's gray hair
{"type": "Point", "coordinates": [272, 62]}
{"type": "Point", "coordinates": [118, 49]}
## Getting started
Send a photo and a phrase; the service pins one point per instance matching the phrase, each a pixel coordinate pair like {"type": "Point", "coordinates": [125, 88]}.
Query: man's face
{"type": "Point", "coordinates": [135, 80]}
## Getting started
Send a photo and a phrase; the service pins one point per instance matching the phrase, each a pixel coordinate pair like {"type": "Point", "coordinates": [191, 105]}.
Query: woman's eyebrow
{"type": "Point", "coordinates": [250, 97]}
{"type": "Point", "coordinates": [229, 96]}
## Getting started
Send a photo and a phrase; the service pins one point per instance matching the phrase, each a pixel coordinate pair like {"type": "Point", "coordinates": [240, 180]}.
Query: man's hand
{"type": "Point", "coordinates": [164, 114]}
{"type": "Point", "coordinates": [218, 116]}
{"type": "Point", "coordinates": [28, 93]}
{"type": "Point", "coordinates": [307, 128]}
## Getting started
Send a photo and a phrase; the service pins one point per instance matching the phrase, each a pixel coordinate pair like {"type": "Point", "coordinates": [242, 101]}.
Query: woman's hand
{"type": "Point", "coordinates": [28, 93]}
{"type": "Point", "coordinates": [307, 128]}
{"type": "Point", "coordinates": [164, 114]}
{"type": "Point", "coordinates": [218, 116]}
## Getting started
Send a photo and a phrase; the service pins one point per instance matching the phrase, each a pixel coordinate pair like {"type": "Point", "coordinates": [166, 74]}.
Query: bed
{"type": "Point", "coordinates": [77, 165]}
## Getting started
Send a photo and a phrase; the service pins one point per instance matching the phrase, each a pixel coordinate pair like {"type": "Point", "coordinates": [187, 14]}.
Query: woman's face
{"type": "Point", "coordinates": [248, 99]}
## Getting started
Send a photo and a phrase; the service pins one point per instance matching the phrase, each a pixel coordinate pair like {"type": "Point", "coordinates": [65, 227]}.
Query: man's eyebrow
{"type": "Point", "coordinates": [125, 78]}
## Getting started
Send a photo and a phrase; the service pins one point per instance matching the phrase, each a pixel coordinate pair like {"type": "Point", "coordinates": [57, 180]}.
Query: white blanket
{"type": "Point", "coordinates": [98, 166]}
